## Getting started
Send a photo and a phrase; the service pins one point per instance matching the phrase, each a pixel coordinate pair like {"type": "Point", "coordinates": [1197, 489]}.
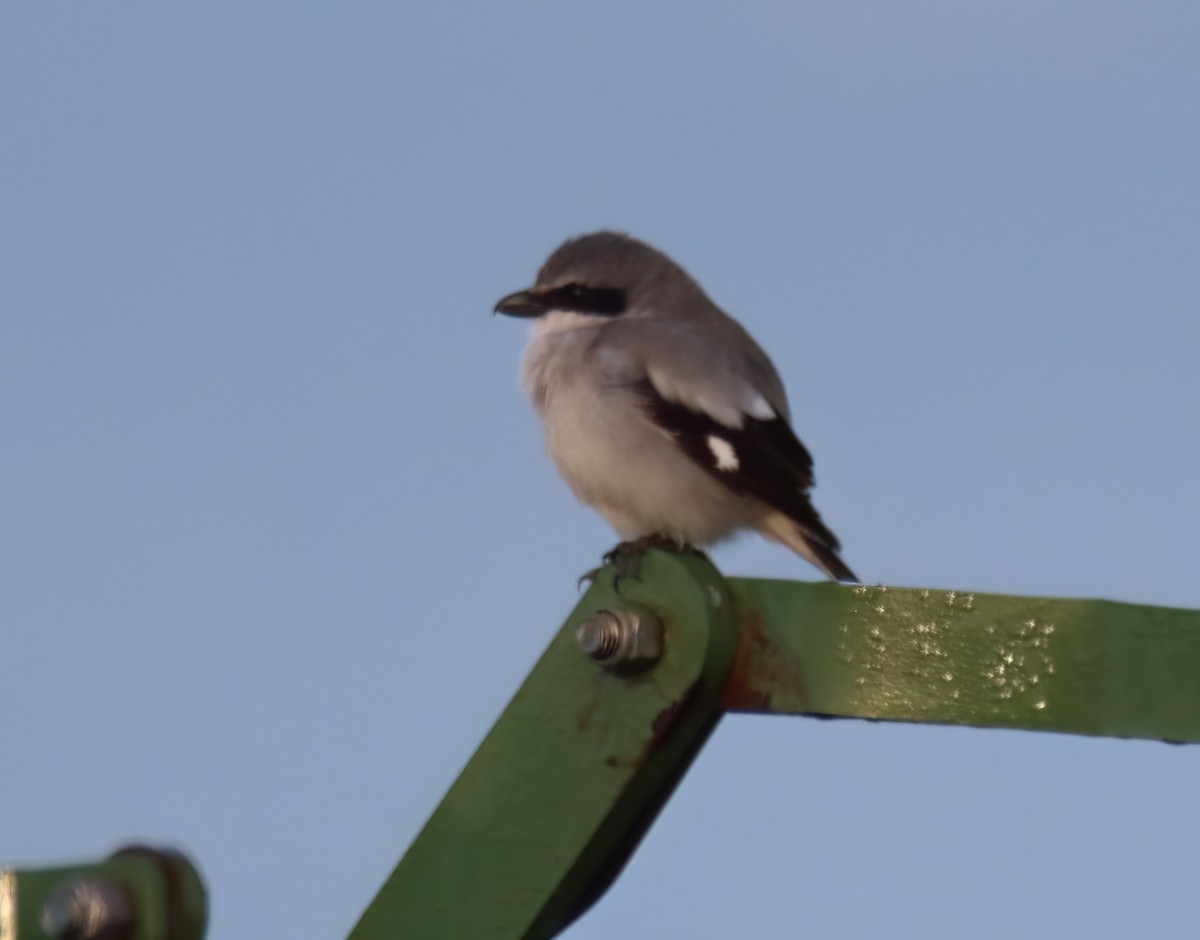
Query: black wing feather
{"type": "Point", "coordinates": [772, 464]}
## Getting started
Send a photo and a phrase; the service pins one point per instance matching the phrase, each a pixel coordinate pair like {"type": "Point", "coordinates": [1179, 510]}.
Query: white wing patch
{"type": "Point", "coordinates": [724, 454]}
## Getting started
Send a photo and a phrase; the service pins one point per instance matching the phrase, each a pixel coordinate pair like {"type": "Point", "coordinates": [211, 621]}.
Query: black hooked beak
{"type": "Point", "coordinates": [524, 303]}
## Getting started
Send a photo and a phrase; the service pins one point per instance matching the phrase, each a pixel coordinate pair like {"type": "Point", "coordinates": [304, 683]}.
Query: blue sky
{"type": "Point", "coordinates": [277, 537]}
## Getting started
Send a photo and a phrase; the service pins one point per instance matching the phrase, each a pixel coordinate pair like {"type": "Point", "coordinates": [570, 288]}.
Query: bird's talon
{"type": "Point", "coordinates": [589, 577]}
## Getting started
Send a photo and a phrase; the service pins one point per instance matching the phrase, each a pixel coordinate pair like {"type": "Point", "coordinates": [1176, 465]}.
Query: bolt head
{"type": "Point", "coordinates": [89, 909]}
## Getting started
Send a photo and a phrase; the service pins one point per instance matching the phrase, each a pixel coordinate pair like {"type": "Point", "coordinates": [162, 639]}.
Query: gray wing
{"type": "Point", "coordinates": [717, 396]}
{"type": "Point", "coordinates": [712, 366]}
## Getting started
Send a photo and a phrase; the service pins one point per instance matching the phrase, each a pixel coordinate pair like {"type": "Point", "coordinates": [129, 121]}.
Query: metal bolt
{"type": "Point", "coordinates": [89, 909]}
{"type": "Point", "coordinates": [628, 636]}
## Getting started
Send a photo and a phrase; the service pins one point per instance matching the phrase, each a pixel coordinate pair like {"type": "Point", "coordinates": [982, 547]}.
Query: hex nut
{"type": "Point", "coordinates": [628, 636]}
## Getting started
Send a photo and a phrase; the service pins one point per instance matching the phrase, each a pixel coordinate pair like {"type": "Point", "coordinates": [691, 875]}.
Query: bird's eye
{"type": "Point", "coordinates": [575, 291]}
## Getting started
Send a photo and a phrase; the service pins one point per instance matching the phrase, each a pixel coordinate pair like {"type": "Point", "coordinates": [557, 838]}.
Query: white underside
{"type": "Point", "coordinates": [613, 458]}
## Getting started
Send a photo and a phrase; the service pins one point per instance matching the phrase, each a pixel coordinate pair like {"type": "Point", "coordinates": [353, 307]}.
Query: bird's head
{"type": "Point", "coordinates": [604, 275]}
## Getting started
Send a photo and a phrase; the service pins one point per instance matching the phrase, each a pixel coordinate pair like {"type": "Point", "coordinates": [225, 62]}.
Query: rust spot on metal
{"type": "Point", "coordinates": [759, 667]}
{"type": "Point", "coordinates": [740, 693]}
{"type": "Point", "coordinates": [585, 716]}
{"type": "Point", "coordinates": [664, 719]}
{"type": "Point", "coordinates": [661, 726]}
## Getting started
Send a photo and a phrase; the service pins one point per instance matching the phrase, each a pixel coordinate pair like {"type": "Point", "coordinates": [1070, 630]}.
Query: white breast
{"type": "Point", "coordinates": [610, 454]}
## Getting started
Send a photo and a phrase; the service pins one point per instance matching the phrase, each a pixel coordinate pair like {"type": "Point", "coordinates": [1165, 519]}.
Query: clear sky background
{"type": "Point", "coordinates": [277, 536]}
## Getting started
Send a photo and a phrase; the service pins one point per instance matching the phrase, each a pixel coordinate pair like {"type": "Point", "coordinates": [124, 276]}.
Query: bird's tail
{"type": "Point", "coordinates": [808, 545]}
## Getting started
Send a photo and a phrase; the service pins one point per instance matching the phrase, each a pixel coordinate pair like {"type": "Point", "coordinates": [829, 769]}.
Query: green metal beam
{"type": "Point", "coordinates": [560, 792]}
{"type": "Point", "coordinates": [578, 766]}
{"type": "Point", "coordinates": [950, 657]}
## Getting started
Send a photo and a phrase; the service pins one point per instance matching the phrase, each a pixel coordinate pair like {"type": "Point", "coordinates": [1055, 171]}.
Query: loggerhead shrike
{"type": "Point", "coordinates": [660, 410]}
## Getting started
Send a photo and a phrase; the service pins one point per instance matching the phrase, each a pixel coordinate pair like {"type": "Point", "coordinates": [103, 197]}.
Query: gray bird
{"type": "Point", "coordinates": [660, 411]}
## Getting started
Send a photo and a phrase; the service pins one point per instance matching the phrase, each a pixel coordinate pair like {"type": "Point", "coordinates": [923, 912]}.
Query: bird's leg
{"type": "Point", "coordinates": [639, 547]}
{"type": "Point", "coordinates": [627, 557]}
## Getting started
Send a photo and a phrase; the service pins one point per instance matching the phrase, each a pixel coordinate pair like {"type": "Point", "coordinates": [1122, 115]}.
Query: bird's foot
{"type": "Point", "coordinates": [639, 547]}
{"type": "Point", "coordinates": [627, 557]}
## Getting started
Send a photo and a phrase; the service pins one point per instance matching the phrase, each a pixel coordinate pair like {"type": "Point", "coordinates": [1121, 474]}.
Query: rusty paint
{"type": "Point", "coordinates": [661, 724]}
{"type": "Point", "coordinates": [587, 714]}
{"type": "Point", "coordinates": [664, 719]}
{"type": "Point", "coordinates": [739, 693]}
{"type": "Point", "coordinates": [759, 667]}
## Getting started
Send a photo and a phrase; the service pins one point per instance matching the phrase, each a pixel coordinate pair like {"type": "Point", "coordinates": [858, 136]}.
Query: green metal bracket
{"type": "Point", "coordinates": [577, 767]}
{"type": "Point", "coordinates": [137, 894]}
{"type": "Point", "coordinates": [563, 788]}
